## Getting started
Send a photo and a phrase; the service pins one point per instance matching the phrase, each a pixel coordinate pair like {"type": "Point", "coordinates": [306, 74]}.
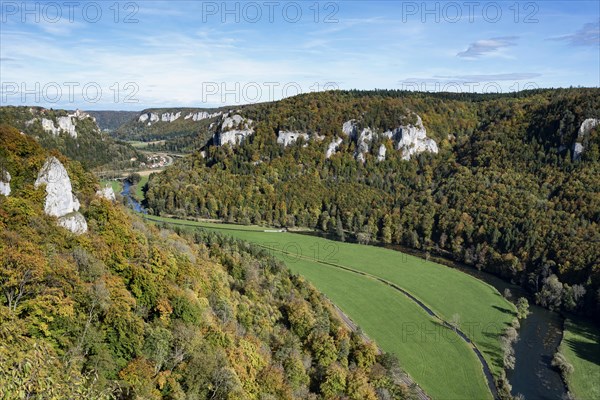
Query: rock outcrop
{"type": "Point", "coordinates": [170, 117]}
{"type": "Point", "coordinates": [150, 117]}
{"type": "Point", "coordinates": [410, 139]}
{"type": "Point", "coordinates": [199, 116]}
{"type": "Point", "coordinates": [381, 153]}
{"type": "Point", "coordinates": [107, 193]}
{"type": "Point", "coordinates": [234, 130]}
{"type": "Point", "coordinates": [4, 182]}
{"type": "Point", "coordinates": [66, 124]}
{"type": "Point", "coordinates": [60, 200]}
{"type": "Point", "coordinates": [333, 147]}
{"type": "Point", "coordinates": [287, 138]}
{"type": "Point", "coordinates": [584, 130]}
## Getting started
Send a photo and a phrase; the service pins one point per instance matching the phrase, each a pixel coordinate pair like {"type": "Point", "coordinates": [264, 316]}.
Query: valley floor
{"type": "Point", "coordinates": [357, 278]}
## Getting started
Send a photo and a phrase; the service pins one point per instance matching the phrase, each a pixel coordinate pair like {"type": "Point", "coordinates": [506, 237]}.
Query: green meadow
{"type": "Point", "coordinates": [581, 346]}
{"type": "Point", "coordinates": [390, 317]}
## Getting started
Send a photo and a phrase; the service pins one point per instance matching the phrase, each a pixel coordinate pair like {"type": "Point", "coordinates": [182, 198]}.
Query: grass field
{"type": "Point", "coordinates": [139, 194]}
{"type": "Point", "coordinates": [441, 363]}
{"type": "Point", "coordinates": [581, 346]}
{"type": "Point", "coordinates": [142, 145]}
{"type": "Point", "coordinates": [481, 311]}
{"type": "Point", "coordinates": [116, 185]}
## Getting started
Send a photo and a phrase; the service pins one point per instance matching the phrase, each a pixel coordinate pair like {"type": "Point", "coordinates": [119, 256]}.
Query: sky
{"type": "Point", "coordinates": [132, 55]}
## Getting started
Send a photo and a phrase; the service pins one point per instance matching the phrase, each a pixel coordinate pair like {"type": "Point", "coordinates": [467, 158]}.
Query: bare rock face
{"type": "Point", "coordinates": [199, 116]}
{"type": "Point", "coordinates": [410, 139]}
{"type": "Point", "coordinates": [170, 117]}
{"type": "Point", "coordinates": [75, 222]}
{"type": "Point", "coordinates": [333, 146]}
{"type": "Point", "coordinates": [584, 130]}
{"type": "Point", "coordinates": [60, 200]}
{"type": "Point", "coordinates": [4, 182]}
{"type": "Point", "coordinates": [287, 138]}
{"type": "Point", "coordinates": [234, 130]}
{"type": "Point", "coordinates": [413, 140]}
{"type": "Point", "coordinates": [350, 129]}
{"type": "Point", "coordinates": [67, 124]}
{"type": "Point", "coordinates": [381, 153]}
{"type": "Point", "coordinates": [150, 117]}
{"type": "Point", "coordinates": [363, 144]}
{"type": "Point", "coordinates": [107, 193]}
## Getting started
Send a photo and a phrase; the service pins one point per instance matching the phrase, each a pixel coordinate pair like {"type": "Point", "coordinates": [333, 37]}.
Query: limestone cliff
{"type": "Point", "coordinates": [107, 193]}
{"type": "Point", "coordinates": [60, 200]}
{"type": "Point", "coordinates": [66, 124]}
{"type": "Point", "coordinates": [4, 182]}
{"type": "Point", "coordinates": [410, 139]}
{"type": "Point", "coordinates": [234, 130]}
{"type": "Point", "coordinates": [584, 130]}
{"type": "Point", "coordinates": [287, 138]}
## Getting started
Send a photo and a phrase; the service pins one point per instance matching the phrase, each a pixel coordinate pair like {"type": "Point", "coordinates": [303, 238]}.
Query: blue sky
{"type": "Point", "coordinates": [191, 53]}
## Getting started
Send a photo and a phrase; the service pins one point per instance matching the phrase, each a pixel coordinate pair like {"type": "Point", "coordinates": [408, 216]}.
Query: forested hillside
{"type": "Point", "coordinates": [76, 135]}
{"type": "Point", "coordinates": [111, 120]}
{"type": "Point", "coordinates": [184, 129]}
{"type": "Point", "coordinates": [513, 190]}
{"type": "Point", "coordinates": [132, 311]}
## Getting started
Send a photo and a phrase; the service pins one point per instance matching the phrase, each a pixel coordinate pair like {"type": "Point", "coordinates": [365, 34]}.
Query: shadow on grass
{"type": "Point", "coordinates": [586, 350]}
{"type": "Point", "coordinates": [505, 311]}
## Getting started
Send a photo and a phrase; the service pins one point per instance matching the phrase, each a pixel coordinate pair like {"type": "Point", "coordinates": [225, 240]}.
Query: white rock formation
{"type": "Point", "coordinates": [333, 146]}
{"type": "Point", "coordinates": [170, 117]}
{"type": "Point", "coordinates": [363, 144]}
{"type": "Point", "coordinates": [60, 200]}
{"type": "Point", "coordinates": [584, 130]}
{"type": "Point", "coordinates": [5, 183]}
{"type": "Point", "coordinates": [381, 153]}
{"type": "Point", "coordinates": [287, 138]}
{"type": "Point", "coordinates": [413, 140]}
{"type": "Point", "coordinates": [199, 116]}
{"type": "Point", "coordinates": [410, 139]}
{"type": "Point", "coordinates": [75, 222]}
{"type": "Point", "coordinates": [230, 122]}
{"type": "Point", "coordinates": [107, 193]}
{"type": "Point", "coordinates": [150, 117]}
{"type": "Point", "coordinates": [234, 130]}
{"type": "Point", "coordinates": [66, 123]}
{"type": "Point", "coordinates": [48, 126]}
{"type": "Point", "coordinates": [350, 129]}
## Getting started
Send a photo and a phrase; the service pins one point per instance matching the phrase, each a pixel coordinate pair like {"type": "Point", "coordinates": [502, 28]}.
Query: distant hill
{"type": "Point", "coordinates": [111, 120]}
{"type": "Point", "coordinates": [183, 129]}
{"type": "Point", "coordinates": [507, 183]}
{"type": "Point", "coordinates": [73, 133]}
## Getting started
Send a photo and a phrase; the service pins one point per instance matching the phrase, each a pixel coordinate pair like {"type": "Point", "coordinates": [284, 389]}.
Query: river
{"type": "Point", "coordinates": [131, 201]}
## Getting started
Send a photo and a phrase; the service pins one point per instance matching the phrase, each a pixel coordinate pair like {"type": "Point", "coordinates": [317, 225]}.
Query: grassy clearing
{"type": "Point", "coordinates": [142, 145]}
{"type": "Point", "coordinates": [116, 185]}
{"type": "Point", "coordinates": [581, 347]}
{"type": "Point", "coordinates": [139, 194]}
